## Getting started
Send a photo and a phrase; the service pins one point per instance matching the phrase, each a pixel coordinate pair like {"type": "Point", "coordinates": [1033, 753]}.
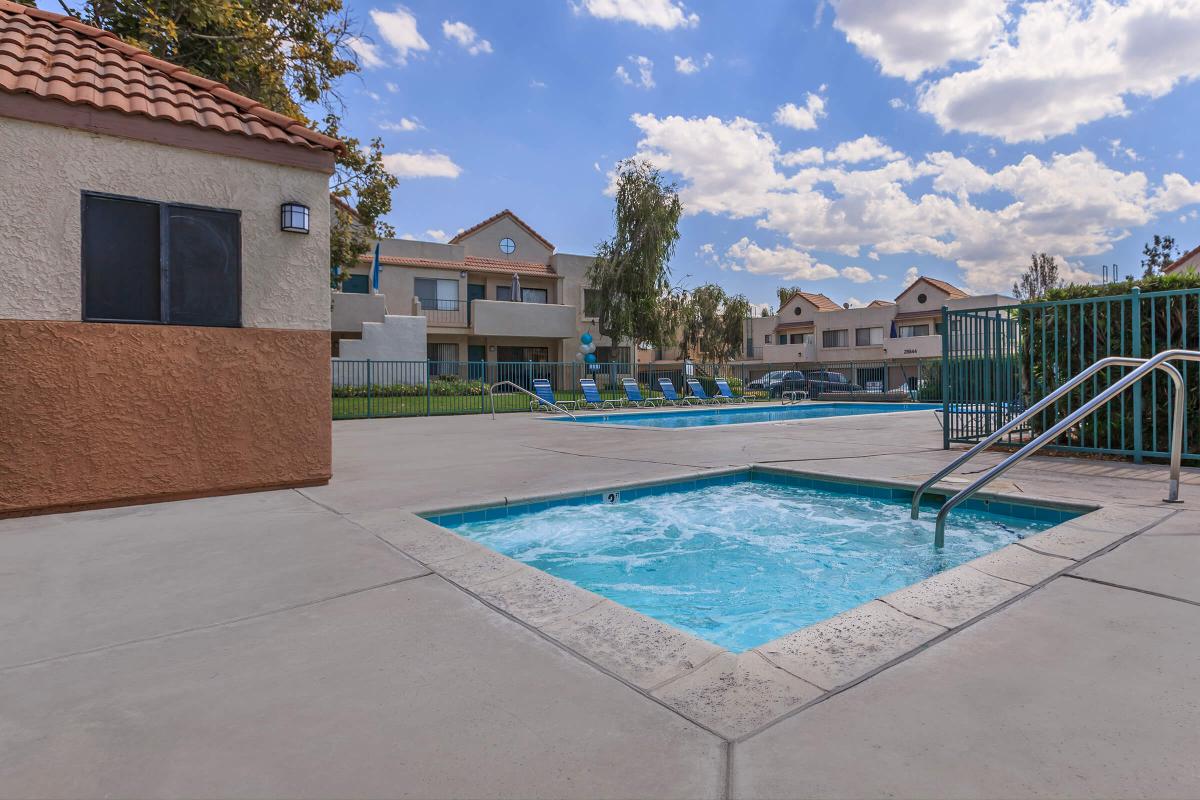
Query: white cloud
{"type": "Point", "coordinates": [436, 235]}
{"type": "Point", "coordinates": [1067, 64]}
{"type": "Point", "coordinates": [783, 262]}
{"type": "Point", "coordinates": [665, 14]}
{"type": "Point", "coordinates": [405, 125]}
{"type": "Point", "coordinates": [803, 118]}
{"type": "Point", "coordinates": [856, 274]}
{"type": "Point", "coordinates": [864, 148]}
{"type": "Point", "coordinates": [421, 165]}
{"type": "Point", "coordinates": [536, 84]}
{"type": "Point", "coordinates": [645, 68]}
{"type": "Point", "coordinates": [854, 302]}
{"type": "Point", "coordinates": [399, 29]}
{"type": "Point", "coordinates": [466, 37]}
{"type": "Point", "coordinates": [367, 52]}
{"type": "Point", "coordinates": [796, 158]}
{"type": "Point", "coordinates": [1071, 205]}
{"type": "Point", "coordinates": [910, 276]}
{"type": "Point", "coordinates": [392, 87]}
{"type": "Point", "coordinates": [689, 66]}
{"type": "Point", "coordinates": [911, 37]}
{"type": "Point", "coordinates": [897, 103]}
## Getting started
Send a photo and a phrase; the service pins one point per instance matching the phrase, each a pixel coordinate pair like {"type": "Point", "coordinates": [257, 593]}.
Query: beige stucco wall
{"type": "Point", "coordinates": [491, 318]}
{"type": "Point", "coordinates": [285, 276]}
{"type": "Point", "coordinates": [485, 242]}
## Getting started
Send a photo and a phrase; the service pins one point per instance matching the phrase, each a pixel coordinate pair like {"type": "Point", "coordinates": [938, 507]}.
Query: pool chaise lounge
{"type": "Point", "coordinates": [727, 393]}
{"type": "Point", "coordinates": [591, 395]}
{"type": "Point", "coordinates": [670, 395]}
{"type": "Point", "coordinates": [700, 395]}
{"type": "Point", "coordinates": [633, 394]}
{"type": "Point", "coordinates": [545, 397]}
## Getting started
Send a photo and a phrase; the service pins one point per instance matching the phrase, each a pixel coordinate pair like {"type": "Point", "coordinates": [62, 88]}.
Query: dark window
{"type": "Point", "coordinates": [591, 302]}
{"type": "Point", "coordinates": [439, 294]}
{"type": "Point", "coordinates": [157, 262]}
{"type": "Point", "coordinates": [357, 284]}
{"type": "Point", "coordinates": [921, 298]}
{"type": "Point", "coordinates": [535, 296]}
{"type": "Point", "coordinates": [839, 338]}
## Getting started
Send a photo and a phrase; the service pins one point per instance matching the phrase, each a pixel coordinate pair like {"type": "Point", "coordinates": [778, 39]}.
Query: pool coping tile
{"type": "Point", "coordinates": [953, 596]}
{"type": "Point", "coordinates": [736, 693]}
{"type": "Point", "coordinates": [843, 648]}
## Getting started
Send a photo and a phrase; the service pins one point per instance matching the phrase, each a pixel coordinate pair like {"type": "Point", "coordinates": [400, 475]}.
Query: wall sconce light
{"type": "Point", "coordinates": [293, 217]}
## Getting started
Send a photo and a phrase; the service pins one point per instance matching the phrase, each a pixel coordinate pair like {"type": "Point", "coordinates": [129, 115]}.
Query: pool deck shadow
{"type": "Point", "coordinates": [330, 642]}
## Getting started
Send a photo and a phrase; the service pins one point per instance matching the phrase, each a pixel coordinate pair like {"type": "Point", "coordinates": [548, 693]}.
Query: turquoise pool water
{"type": "Point", "coordinates": [732, 415]}
{"type": "Point", "coordinates": [742, 559]}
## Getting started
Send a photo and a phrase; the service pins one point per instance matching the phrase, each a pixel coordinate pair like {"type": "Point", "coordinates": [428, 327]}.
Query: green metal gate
{"type": "Point", "coordinates": [997, 361]}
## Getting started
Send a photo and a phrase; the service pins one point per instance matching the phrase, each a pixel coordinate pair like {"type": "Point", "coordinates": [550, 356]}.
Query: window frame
{"type": "Point", "coordinates": [873, 332]}
{"type": "Point", "coordinates": [164, 261]}
{"type": "Point", "coordinates": [825, 338]}
{"type": "Point", "coordinates": [902, 328]}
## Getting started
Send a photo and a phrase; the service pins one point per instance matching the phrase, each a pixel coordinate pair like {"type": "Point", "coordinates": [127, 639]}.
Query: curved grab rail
{"type": "Point", "coordinates": [492, 397]}
{"type": "Point", "coordinates": [1126, 381]}
{"type": "Point", "coordinates": [1017, 421]}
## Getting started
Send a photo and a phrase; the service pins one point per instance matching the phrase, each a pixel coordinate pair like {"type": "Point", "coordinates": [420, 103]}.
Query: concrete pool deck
{"type": "Point", "coordinates": [310, 644]}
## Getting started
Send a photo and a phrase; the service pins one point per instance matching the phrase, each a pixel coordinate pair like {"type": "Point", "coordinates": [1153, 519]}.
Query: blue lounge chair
{"type": "Point", "coordinates": [727, 393]}
{"type": "Point", "coordinates": [591, 395]}
{"type": "Point", "coordinates": [633, 394]}
{"type": "Point", "coordinates": [541, 387]}
{"type": "Point", "coordinates": [698, 392]}
{"type": "Point", "coordinates": [669, 393]}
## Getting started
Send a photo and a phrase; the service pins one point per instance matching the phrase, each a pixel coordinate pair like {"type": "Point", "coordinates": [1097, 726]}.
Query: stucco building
{"type": "Point", "coordinates": [812, 329]}
{"type": "Point", "coordinates": [1188, 262]}
{"type": "Point", "coordinates": [161, 334]}
{"type": "Point", "coordinates": [463, 290]}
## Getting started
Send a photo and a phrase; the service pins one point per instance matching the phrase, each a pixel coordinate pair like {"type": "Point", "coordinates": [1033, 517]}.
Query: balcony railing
{"type": "Point", "coordinates": [446, 313]}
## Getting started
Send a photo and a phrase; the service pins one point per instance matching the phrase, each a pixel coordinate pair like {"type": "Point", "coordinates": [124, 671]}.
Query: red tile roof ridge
{"type": "Point", "coordinates": [100, 41]}
{"type": "Point", "coordinates": [502, 213]}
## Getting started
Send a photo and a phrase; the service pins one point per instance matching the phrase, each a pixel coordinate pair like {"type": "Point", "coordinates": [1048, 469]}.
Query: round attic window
{"type": "Point", "coordinates": [921, 298]}
{"type": "Point", "coordinates": [507, 246]}
{"type": "Point", "coordinates": [796, 311]}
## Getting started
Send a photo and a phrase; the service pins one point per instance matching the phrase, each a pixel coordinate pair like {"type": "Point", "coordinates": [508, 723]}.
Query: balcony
{"type": "Point", "coordinates": [446, 313]}
{"type": "Point", "coordinates": [540, 320]}
{"type": "Point", "coordinates": [351, 310]}
{"type": "Point", "coordinates": [787, 353]}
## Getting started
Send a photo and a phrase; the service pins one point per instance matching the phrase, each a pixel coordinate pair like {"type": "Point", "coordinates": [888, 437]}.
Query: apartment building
{"type": "Point", "coordinates": [464, 289]}
{"type": "Point", "coordinates": [810, 328]}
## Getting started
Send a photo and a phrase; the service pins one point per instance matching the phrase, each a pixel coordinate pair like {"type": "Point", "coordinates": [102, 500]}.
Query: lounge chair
{"type": "Point", "coordinates": [698, 392]}
{"type": "Point", "coordinates": [727, 393]}
{"type": "Point", "coordinates": [591, 395]}
{"type": "Point", "coordinates": [633, 394]}
{"type": "Point", "coordinates": [670, 395]}
{"type": "Point", "coordinates": [546, 400]}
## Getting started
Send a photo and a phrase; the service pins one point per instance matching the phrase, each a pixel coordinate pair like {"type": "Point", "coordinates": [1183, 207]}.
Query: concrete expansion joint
{"type": "Point", "coordinates": [684, 673]}
{"type": "Point", "coordinates": [914, 616]}
{"type": "Point", "coordinates": [213, 625]}
{"type": "Point", "coordinates": [1043, 552]}
{"type": "Point", "coordinates": [1150, 592]}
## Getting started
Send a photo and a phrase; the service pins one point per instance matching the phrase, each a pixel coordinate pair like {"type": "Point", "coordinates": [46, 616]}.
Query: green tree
{"type": "Point", "coordinates": [1157, 254]}
{"type": "Point", "coordinates": [1040, 277]}
{"type": "Point", "coordinates": [712, 325]}
{"type": "Point", "coordinates": [631, 273]}
{"type": "Point", "coordinates": [785, 293]}
{"type": "Point", "coordinates": [287, 56]}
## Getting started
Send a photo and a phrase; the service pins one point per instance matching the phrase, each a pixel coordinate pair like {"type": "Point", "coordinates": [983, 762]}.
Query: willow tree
{"type": "Point", "coordinates": [713, 324]}
{"type": "Point", "coordinates": [631, 273]}
{"type": "Point", "coordinates": [288, 56]}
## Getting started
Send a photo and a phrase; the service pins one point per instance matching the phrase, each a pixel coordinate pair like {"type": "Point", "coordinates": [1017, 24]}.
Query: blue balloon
{"type": "Point", "coordinates": [586, 338]}
{"type": "Point", "coordinates": [590, 358]}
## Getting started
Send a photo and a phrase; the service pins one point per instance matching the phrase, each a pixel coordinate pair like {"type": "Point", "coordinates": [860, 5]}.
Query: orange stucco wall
{"type": "Point", "coordinates": [98, 414]}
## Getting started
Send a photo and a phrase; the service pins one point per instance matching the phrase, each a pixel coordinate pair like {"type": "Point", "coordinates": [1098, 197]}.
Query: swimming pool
{"type": "Point", "coordinates": [732, 415]}
{"type": "Point", "coordinates": [743, 558]}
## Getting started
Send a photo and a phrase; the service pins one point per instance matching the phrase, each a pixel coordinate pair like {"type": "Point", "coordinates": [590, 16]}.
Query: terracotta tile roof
{"type": "Point", "coordinates": [822, 302]}
{"type": "Point", "coordinates": [505, 213]}
{"type": "Point", "coordinates": [948, 288]}
{"type": "Point", "coordinates": [880, 303]}
{"type": "Point", "coordinates": [790, 325]}
{"type": "Point", "coordinates": [55, 57]}
{"type": "Point", "coordinates": [343, 205]}
{"type": "Point", "coordinates": [470, 263]}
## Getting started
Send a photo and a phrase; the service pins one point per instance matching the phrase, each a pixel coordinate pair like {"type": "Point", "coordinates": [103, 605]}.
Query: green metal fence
{"type": "Point", "coordinates": [998, 361]}
{"type": "Point", "coordinates": [429, 388]}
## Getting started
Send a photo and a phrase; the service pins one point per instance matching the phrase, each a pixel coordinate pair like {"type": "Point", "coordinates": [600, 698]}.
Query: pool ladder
{"type": "Point", "coordinates": [1142, 368]}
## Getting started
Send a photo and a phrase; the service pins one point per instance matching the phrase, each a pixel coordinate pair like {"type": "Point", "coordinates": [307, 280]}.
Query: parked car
{"type": "Point", "coordinates": [820, 381]}
{"type": "Point", "coordinates": [777, 382]}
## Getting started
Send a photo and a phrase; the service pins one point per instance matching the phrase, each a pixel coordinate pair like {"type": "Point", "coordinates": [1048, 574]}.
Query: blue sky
{"type": "Point", "coordinates": [992, 129]}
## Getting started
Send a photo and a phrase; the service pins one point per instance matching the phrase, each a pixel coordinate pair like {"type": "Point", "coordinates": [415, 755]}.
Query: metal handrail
{"type": "Point", "coordinates": [492, 397]}
{"type": "Point", "coordinates": [1146, 367]}
{"type": "Point", "coordinates": [1016, 422]}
